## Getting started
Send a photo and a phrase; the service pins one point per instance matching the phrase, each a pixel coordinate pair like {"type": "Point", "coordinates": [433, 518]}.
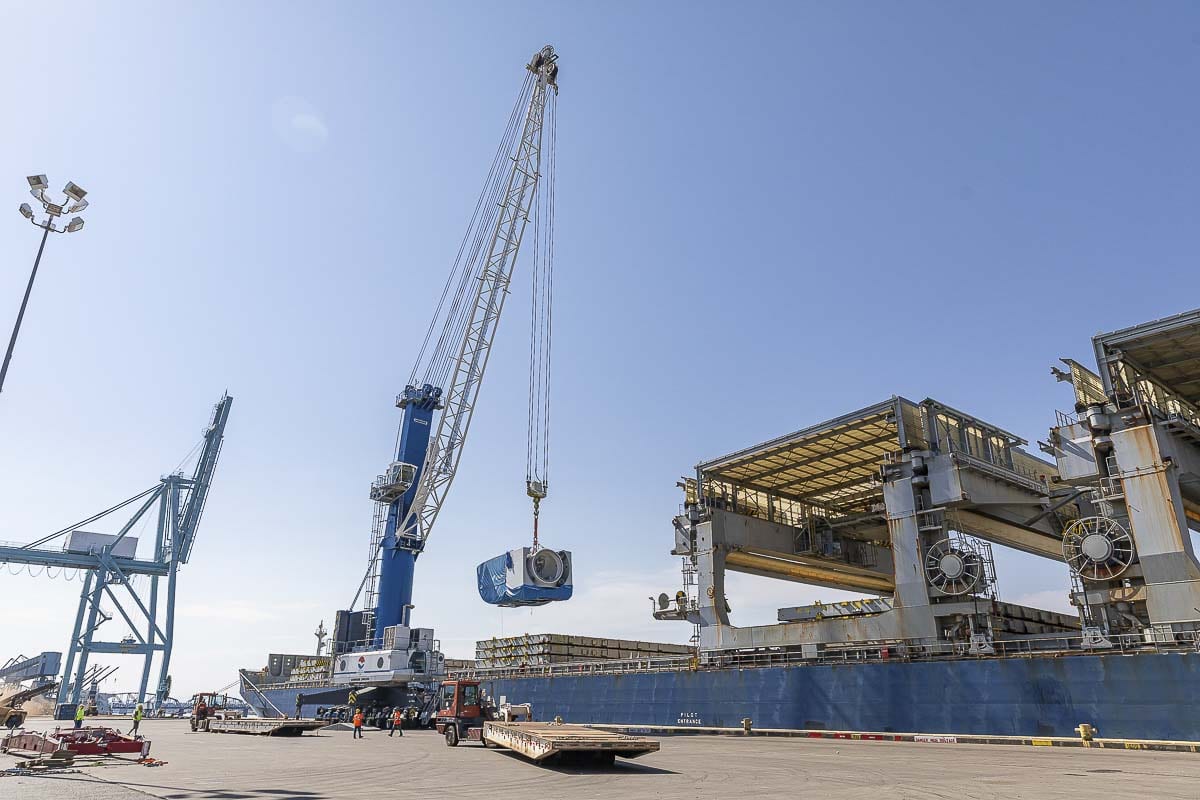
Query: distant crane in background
{"type": "Point", "coordinates": [111, 563]}
{"type": "Point", "coordinates": [450, 366]}
{"type": "Point", "coordinates": [321, 635]}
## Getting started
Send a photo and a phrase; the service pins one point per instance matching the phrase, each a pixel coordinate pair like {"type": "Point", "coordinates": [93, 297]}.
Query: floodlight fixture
{"type": "Point", "coordinates": [75, 203]}
{"type": "Point", "coordinates": [73, 191]}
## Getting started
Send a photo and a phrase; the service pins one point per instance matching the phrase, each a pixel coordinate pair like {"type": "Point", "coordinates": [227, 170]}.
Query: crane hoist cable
{"type": "Point", "coordinates": [541, 328]}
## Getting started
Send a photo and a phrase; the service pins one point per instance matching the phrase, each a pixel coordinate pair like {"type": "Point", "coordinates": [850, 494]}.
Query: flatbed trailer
{"type": "Point", "coordinates": [541, 740]}
{"type": "Point", "coordinates": [263, 727]}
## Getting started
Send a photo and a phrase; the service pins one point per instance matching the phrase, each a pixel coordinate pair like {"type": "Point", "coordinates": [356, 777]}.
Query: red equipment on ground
{"type": "Point", "coordinates": [80, 741]}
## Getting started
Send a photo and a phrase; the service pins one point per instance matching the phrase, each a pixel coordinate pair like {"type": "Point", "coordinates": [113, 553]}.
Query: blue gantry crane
{"type": "Point", "coordinates": [110, 564]}
{"type": "Point", "coordinates": [449, 371]}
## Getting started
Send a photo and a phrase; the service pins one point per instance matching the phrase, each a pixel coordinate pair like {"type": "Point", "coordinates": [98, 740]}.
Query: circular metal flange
{"type": "Point", "coordinates": [1097, 548]}
{"type": "Point", "coordinates": [547, 566]}
{"type": "Point", "coordinates": [954, 567]}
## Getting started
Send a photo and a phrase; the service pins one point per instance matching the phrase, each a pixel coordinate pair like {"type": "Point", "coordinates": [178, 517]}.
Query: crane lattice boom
{"type": "Point", "coordinates": [445, 446]}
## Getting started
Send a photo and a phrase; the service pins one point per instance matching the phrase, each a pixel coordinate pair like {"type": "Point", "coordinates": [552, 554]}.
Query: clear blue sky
{"type": "Point", "coordinates": [768, 214]}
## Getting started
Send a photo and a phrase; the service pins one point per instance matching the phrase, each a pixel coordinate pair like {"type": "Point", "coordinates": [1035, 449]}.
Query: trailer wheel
{"type": "Point", "coordinates": [451, 735]}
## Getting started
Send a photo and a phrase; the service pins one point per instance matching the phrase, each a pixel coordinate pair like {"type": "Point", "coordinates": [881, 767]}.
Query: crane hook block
{"type": "Point", "coordinates": [526, 577]}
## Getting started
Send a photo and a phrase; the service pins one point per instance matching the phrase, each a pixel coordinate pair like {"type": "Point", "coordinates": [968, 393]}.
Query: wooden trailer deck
{"type": "Point", "coordinates": [541, 740]}
{"type": "Point", "coordinates": [264, 727]}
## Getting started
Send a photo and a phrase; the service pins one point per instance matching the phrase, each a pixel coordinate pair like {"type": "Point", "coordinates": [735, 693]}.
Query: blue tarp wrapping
{"type": "Point", "coordinates": [494, 589]}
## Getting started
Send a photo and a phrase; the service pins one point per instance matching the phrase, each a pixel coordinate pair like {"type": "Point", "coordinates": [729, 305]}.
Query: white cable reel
{"type": "Point", "coordinates": [954, 567]}
{"type": "Point", "coordinates": [1097, 548]}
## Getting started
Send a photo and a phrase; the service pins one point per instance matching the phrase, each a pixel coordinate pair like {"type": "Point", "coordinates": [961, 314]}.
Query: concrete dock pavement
{"type": "Point", "coordinates": [334, 766]}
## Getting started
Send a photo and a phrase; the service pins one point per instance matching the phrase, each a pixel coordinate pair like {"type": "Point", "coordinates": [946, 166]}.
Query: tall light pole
{"type": "Point", "coordinates": [37, 187]}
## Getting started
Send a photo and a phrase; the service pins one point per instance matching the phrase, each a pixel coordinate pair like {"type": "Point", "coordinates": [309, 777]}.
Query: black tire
{"type": "Point", "coordinates": [451, 736]}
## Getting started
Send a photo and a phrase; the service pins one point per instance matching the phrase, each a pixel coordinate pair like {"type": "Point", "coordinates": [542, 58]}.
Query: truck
{"type": "Point", "coordinates": [466, 713]}
{"type": "Point", "coordinates": [207, 706]}
{"type": "Point", "coordinates": [211, 714]}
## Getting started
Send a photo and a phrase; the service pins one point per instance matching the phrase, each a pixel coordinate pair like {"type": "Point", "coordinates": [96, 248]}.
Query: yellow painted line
{"type": "Point", "coordinates": [1042, 742]}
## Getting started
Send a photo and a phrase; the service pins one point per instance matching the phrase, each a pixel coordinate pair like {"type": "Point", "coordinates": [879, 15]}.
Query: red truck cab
{"type": "Point", "coordinates": [461, 711]}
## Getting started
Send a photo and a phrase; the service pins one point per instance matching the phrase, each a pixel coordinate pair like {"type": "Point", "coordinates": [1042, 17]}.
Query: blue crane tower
{"type": "Point", "coordinates": [447, 376]}
{"type": "Point", "coordinates": [395, 489]}
{"type": "Point", "coordinates": [111, 563]}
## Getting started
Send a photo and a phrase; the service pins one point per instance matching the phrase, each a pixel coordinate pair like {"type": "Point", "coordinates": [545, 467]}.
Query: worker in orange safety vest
{"type": "Point", "coordinates": [397, 719]}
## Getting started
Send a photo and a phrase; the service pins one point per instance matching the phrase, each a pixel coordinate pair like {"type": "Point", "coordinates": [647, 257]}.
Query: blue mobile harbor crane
{"type": "Point", "coordinates": [377, 645]}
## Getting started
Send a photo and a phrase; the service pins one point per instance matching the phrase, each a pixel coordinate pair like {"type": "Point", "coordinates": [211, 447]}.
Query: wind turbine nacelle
{"type": "Point", "coordinates": [526, 577]}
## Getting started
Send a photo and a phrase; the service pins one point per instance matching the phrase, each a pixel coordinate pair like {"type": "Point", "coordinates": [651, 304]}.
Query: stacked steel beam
{"type": "Point", "coordinates": [536, 649]}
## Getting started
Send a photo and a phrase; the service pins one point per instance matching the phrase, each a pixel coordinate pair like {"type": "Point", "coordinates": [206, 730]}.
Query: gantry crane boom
{"type": "Point", "coordinates": [109, 562]}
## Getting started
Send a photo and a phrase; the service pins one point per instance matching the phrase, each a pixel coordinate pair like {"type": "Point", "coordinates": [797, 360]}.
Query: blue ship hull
{"type": "Point", "coordinates": [1146, 696]}
{"type": "Point", "coordinates": [1141, 696]}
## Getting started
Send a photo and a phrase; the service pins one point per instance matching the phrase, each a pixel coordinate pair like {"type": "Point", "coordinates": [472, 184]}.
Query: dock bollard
{"type": "Point", "coordinates": [746, 723]}
{"type": "Point", "coordinates": [1086, 732]}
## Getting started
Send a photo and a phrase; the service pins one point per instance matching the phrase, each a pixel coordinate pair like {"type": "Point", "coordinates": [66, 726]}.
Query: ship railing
{"type": "Point", "coordinates": [1014, 474]}
{"type": "Point", "coordinates": [895, 650]}
{"type": "Point", "coordinates": [1065, 419]}
{"type": "Point", "coordinates": [307, 683]}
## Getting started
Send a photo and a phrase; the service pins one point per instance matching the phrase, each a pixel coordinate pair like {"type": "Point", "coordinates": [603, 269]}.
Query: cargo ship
{"type": "Point", "coordinates": [901, 502]}
{"type": "Point", "coordinates": [1139, 692]}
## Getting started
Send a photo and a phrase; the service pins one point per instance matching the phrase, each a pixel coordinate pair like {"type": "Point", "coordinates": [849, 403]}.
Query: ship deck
{"type": "Point", "coordinates": [322, 767]}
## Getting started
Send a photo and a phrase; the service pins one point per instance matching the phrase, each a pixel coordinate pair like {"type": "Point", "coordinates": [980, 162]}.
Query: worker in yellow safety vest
{"type": "Point", "coordinates": [137, 717]}
{"type": "Point", "coordinates": [78, 716]}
